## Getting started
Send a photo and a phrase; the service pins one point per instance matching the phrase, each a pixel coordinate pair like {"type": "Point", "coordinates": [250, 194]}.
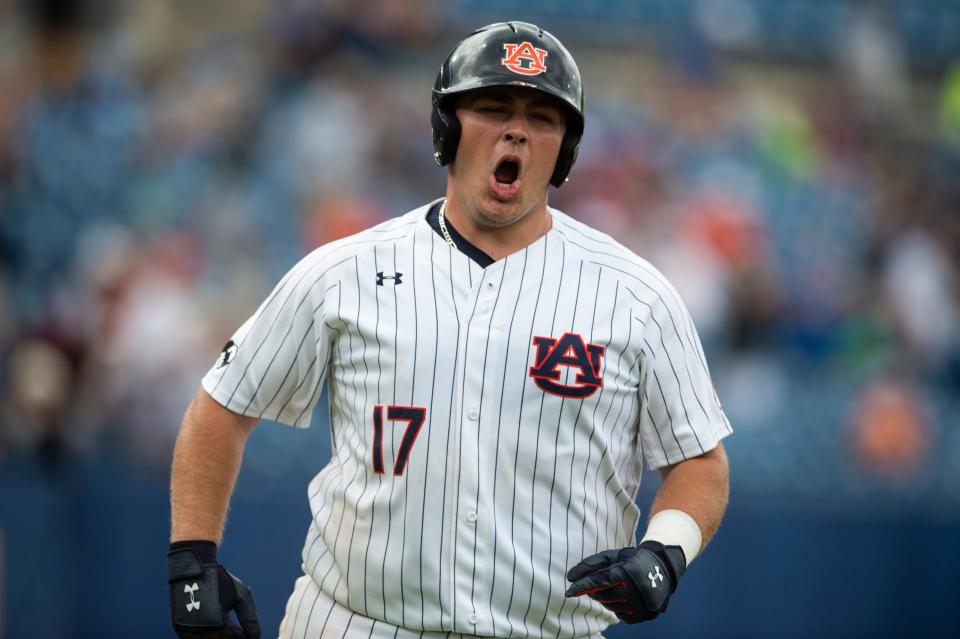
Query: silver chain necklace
{"type": "Point", "coordinates": [443, 225]}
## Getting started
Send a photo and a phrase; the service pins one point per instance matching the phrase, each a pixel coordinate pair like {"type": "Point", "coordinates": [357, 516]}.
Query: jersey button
{"type": "Point", "coordinates": [471, 517]}
{"type": "Point", "coordinates": [473, 414]}
{"type": "Point", "coordinates": [472, 619]}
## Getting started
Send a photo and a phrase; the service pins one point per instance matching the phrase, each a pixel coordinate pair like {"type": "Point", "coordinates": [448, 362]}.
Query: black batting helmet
{"type": "Point", "coordinates": [508, 54]}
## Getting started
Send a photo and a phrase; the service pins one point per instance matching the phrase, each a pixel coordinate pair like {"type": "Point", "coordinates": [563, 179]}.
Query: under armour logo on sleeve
{"type": "Point", "coordinates": [227, 354]}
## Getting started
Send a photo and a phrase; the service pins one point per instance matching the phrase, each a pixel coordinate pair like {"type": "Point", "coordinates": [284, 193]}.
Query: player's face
{"type": "Point", "coordinates": [509, 141]}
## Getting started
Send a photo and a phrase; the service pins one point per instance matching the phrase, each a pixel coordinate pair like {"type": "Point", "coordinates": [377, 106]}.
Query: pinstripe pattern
{"type": "Point", "coordinates": [535, 516]}
{"type": "Point", "coordinates": [506, 485]}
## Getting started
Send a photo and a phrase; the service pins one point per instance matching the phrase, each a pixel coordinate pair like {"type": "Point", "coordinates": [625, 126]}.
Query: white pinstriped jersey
{"type": "Point", "coordinates": [489, 424]}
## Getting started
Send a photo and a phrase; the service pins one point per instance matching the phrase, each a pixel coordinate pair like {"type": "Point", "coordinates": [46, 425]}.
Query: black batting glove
{"type": "Point", "coordinates": [203, 593]}
{"type": "Point", "coordinates": [634, 583]}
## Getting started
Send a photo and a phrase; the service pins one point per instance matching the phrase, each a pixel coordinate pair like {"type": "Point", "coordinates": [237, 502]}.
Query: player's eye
{"type": "Point", "coordinates": [547, 117]}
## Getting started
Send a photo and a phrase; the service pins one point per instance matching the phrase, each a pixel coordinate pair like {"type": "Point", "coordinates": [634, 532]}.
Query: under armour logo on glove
{"type": "Point", "coordinates": [653, 577]}
{"type": "Point", "coordinates": [193, 604]}
{"type": "Point", "coordinates": [196, 577]}
{"type": "Point", "coordinates": [618, 579]}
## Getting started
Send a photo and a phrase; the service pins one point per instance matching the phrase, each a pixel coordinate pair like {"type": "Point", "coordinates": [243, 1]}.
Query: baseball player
{"type": "Point", "coordinates": [497, 374]}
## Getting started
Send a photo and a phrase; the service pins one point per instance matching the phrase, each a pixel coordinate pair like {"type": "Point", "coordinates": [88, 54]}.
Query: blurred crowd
{"type": "Point", "coordinates": [163, 164]}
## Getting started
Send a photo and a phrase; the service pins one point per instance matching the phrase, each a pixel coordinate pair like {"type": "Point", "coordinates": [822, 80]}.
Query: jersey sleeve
{"type": "Point", "coordinates": [274, 366]}
{"type": "Point", "coordinates": [680, 413]}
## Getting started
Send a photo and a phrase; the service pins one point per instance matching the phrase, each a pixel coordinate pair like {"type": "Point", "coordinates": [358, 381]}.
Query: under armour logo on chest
{"type": "Point", "coordinates": [396, 278]}
{"type": "Point", "coordinates": [653, 576]}
{"type": "Point", "coordinates": [570, 351]}
{"type": "Point", "coordinates": [190, 589]}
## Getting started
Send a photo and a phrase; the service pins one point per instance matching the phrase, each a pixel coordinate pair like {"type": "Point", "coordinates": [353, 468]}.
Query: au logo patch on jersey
{"type": "Point", "coordinates": [569, 351]}
{"type": "Point", "coordinates": [227, 354]}
{"type": "Point", "coordinates": [524, 58]}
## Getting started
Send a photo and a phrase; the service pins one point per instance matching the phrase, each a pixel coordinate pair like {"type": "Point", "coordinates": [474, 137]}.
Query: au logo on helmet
{"type": "Point", "coordinates": [517, 54]}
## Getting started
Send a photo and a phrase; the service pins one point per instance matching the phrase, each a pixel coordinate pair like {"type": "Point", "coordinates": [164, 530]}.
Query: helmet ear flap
{"type": "Point", "coordinates": [565, 159]}
{"type": "Point", "coordinates": [446, 131]}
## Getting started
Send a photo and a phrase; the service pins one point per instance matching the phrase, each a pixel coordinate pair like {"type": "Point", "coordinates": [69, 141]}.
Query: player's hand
{"type": "Point", "coordinates": [202, 594]}
{"type": "Point", "coordinates": [634, 583]}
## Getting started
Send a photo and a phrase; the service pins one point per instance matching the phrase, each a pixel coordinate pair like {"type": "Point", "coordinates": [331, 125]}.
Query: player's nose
{"type": "Point", "coordinates": [516, 135]}
{"type": "Point", "coordinates": [516, 130]}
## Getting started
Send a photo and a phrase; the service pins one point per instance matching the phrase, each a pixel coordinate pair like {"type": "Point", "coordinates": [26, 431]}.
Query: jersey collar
{"type": "Point", "coordinates": [462, 243]}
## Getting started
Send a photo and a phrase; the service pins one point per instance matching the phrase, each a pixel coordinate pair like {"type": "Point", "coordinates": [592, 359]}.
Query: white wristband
{"type": "Point", "coordinates": [675, 528]}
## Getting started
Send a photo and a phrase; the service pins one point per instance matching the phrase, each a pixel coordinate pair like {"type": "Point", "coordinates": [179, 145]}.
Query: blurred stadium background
{"type": "Point", "coordinates": [792, 165]}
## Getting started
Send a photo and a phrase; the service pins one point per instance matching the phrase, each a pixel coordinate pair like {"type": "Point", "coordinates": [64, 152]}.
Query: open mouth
{"type": "Point", "coordinates": [505, 179]}
{"type": "Point", "coordinates": [507, 171]}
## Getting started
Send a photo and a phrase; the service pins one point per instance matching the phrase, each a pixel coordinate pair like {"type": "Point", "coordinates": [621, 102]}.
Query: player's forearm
{"type": "Point", "coordinates": [699, 487]}
{"type": "Point", "coordinates": [206, 461]}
